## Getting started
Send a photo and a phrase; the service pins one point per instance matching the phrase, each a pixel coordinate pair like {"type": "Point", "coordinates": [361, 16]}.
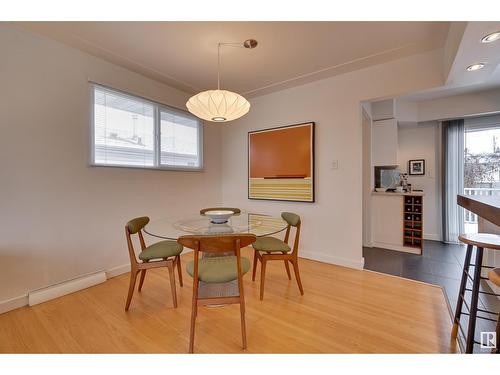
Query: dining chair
{"type": "Point", "coordinates": [160, 254]}
{"type": "Point", "coordinates": [234, 209]}
{"type": "Point", "coordinates": [272, 248]}
{"type": "Point", "coordinates": [217, 268]}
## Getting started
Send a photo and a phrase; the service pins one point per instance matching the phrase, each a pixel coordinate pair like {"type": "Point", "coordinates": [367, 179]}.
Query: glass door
{"type": "Point", "coordinates": [481, 164]}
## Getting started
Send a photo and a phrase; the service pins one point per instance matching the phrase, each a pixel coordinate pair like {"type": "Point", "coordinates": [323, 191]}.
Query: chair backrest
{"type": "Point", "coordinates": [217, 243]}
{"type": "Point", "coordinates": [234, 209]}
{"type": "Point", "coordinates": [293, 220]}
{"type": "Point", "coordinates": [132, 227]}
{"type": "Point", "coordinates": [136, 225]}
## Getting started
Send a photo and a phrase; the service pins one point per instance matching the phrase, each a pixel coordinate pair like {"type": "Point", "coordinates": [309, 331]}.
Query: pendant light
{"type": "Point", "coordinates": [220, 105]}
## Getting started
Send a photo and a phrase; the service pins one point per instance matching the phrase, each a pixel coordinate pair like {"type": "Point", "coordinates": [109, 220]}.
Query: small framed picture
{"type": "Point", "coordinates": [416, 167]}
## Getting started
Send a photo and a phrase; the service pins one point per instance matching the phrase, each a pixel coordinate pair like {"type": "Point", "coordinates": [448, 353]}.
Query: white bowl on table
{"type": "Point", "coordinates": [219, 216]}
{"type": "Point", "coordinates": [380, 190]}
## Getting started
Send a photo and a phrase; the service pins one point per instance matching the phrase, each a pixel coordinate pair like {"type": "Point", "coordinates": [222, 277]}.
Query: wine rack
{"type": "Point", "coordinates": [413, 224]}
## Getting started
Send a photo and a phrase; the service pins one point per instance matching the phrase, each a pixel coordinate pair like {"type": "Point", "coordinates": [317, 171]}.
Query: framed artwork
{"type": "Point", "coordinates": [281, 163]}
{"type": "Point", "coordinates": [416, 167]}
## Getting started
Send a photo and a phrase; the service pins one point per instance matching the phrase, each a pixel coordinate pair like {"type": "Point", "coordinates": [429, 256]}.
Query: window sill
{"type": "Point", "coordinates": [172, 169]}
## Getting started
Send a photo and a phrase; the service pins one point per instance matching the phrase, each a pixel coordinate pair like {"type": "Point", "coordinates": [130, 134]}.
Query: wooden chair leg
{"type": "Point", "coordinates": [171, 274]}
{"type": "Point", "coordinates": [194, 313]}
{"type": "Point", "coordinates": [255, 259]}
{"type": "Point", "coordinates": [295, 264]}
{"type": "Point", "coordinates": [131, 287]}
{"type": "Point", "coordinates": [287, 268]}
{"type": "Point", "coordinates": [179, 270]}
{"type": "Point", "coordinates": [141, 281]}
{"type": "Point", "coordinates": [262, 277]}
{"type": "Point", "coordinates": [243, 327]}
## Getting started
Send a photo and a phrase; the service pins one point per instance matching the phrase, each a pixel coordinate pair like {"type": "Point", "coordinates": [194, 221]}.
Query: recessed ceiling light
{"type": "Point", "coordinates": [474, 67]}
{"type": "Point", "coordinates": [491, 37]}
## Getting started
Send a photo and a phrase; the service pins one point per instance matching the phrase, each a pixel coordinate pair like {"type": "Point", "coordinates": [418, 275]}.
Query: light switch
{"type": "Point", "coordinates": [335, 164]}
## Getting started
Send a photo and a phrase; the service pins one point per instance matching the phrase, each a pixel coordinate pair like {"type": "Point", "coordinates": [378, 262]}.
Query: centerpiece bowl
{"type": "Point", "coordinates": [219, 216]}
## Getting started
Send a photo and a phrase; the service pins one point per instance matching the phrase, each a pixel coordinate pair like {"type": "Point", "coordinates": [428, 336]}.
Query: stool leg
{"type": "Point", "coordinates": [497, 350]}
{"type": "Point", "coordinates": [461, 291]}
{"type": "Point", "coordinates": [474, 300]}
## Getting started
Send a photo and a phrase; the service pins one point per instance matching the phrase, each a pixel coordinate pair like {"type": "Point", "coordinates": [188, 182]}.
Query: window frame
{"type": "Point", "coordinates": [157, 108]}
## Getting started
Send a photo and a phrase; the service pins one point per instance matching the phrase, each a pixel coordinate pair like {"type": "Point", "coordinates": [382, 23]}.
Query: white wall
{"type": "Point", "coordinates": [457, 106]}
{"type": "Point", "coordinates": [421, 142]}
{"type": "Point", "coordinates": [332, 227]}
{"type": "Point", "coordinates": [59, 217]}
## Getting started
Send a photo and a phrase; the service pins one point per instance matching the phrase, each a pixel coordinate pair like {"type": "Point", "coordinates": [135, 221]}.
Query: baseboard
{"type": "Point", "coordinates": [351, 263]}
{"type": "Point", "coordinates": [46, 294]}
{"type": "Point", "coordinates": [432, 237]}
{"type": "Point", "coordinates": [13, 303]}
{"type": "Point", "coordinates": [117, 271]}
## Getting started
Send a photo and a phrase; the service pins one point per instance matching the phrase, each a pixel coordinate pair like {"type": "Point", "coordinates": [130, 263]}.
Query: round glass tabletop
{"type": "Point", "coordinates": [258, 224]}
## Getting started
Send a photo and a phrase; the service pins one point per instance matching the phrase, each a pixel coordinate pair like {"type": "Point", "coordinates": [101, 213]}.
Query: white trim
{"type": "Point", "coordinates": [13, 303]}
{"type": "Point", "coordinates": [411, 250]}
{"type": "Point", "coordinates": [346, 262]}
{"type": "Point", "coordinates": [64, 288]}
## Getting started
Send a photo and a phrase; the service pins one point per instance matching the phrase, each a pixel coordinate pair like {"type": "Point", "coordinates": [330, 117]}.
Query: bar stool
{"type": "Point", "coordinates": [494, 276]}
{"type": "Point", "coordinates": [480, 241]}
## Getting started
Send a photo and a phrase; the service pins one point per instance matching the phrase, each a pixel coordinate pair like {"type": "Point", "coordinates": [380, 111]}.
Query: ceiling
{"type": "Point", "coordinates": [184, 54]}
{"type": "Point", "coordinates": [469, 50]}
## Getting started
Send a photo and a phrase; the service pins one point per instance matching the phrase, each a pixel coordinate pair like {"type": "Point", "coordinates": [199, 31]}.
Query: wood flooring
{"type": "Point", "coordinates": [342, 311]}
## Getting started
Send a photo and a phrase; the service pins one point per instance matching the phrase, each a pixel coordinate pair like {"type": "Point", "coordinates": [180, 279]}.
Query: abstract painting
{"type": "Point", "coordinates": [281, 163]}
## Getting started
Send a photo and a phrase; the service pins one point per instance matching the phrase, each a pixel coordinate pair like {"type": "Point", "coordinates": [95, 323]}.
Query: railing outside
{"type": "Point", "coordinates": [471, 218]}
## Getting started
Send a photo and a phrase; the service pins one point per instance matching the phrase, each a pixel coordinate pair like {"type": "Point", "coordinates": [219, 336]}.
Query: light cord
{"type": "Point", "coordinates": [218, 66]}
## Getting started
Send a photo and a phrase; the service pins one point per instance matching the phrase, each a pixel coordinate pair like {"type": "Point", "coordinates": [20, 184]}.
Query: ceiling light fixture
{"type": "Point", "coordinates": [491, 37]}
{"type": "Point", "coordinates": [474, 67]}
{"type": "Point", "coordinates": [220, 105]}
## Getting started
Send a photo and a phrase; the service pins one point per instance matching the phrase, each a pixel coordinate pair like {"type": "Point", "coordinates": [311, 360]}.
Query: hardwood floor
{"type": "Point", "coordinates": [343, 311]}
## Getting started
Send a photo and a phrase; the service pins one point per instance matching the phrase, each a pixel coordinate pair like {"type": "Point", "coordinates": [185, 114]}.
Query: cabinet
{"type": "Point", "coordinates": [397, 221]}
{"type": "Point", "coordinates": [385, 142]}
{"type": "Point", "coordinates": [413, 225]}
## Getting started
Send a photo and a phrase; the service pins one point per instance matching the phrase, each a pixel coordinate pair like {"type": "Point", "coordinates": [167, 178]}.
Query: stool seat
{"type": "Point", "coordinates": [484, 240]}
{"type": "Point", "coordinates": [494, 276]}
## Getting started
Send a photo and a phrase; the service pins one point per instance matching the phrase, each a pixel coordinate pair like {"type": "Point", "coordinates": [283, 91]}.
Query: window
{"type": "Point", "coordinates": [129, 131]}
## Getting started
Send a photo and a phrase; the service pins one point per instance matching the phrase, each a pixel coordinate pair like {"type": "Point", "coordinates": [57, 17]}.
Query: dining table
{"type": "Point", "coordinates": [172, 227]}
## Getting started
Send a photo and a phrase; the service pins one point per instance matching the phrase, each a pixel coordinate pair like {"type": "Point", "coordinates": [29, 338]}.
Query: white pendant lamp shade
{"type": "Point", "coordinates": [218, 105]}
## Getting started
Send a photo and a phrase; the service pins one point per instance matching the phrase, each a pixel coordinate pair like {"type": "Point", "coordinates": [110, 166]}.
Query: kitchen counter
{"type": "Point", "coordinates": [413, 193]}
{"type": "Point", "coordinates": [486, 207]}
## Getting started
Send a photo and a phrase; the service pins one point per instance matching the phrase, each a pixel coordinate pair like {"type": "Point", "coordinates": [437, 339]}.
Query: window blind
{"type": "Point", "coordinates": [134, 132]}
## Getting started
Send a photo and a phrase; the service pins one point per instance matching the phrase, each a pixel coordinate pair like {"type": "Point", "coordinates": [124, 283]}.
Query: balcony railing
{"type": "Point", "coordinates": [471, 218]}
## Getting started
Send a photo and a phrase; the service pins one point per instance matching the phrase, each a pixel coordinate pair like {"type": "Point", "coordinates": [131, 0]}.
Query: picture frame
{"type": "Point", "coordinates": [416, 167]}
{"type": "Point", "coordinates": [281, 163]}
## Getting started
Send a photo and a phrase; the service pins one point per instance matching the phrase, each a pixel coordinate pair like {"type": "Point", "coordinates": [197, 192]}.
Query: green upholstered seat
{"type": "Point", "coordinates": [218, 269]}
{"type": "Point", "coordinates": [162, 249]}
{"type": "Point", "coordinates": [270, 244]}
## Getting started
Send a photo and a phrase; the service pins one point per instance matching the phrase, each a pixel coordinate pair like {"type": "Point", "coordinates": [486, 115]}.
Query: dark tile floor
{"type": "Point", "coordinates": [441, 264]}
